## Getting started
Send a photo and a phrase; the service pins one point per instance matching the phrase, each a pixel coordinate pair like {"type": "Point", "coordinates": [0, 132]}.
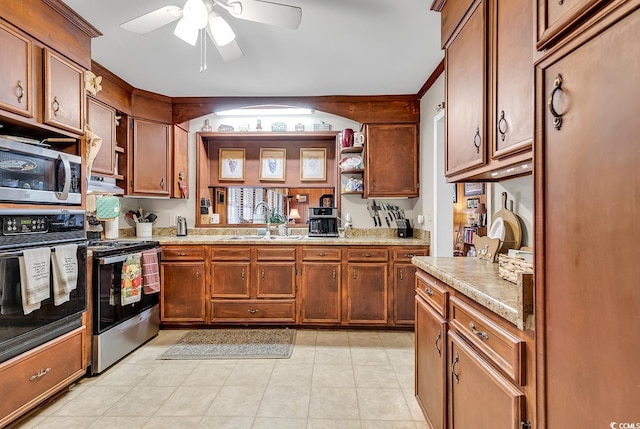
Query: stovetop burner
{"type": "Point", "coordinates": [112, 247]}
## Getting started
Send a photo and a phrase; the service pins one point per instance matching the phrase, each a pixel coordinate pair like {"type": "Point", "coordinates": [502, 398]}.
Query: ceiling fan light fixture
{"type": "Point", "coordinates": [187, 32]}
{"type": "Point", "coordinates": [220, 30]}
{"type": "Point", "coordinates": [195, 12]}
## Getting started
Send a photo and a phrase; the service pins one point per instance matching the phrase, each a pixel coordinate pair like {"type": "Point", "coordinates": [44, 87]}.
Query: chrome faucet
{"type": "Point", "coordinates": [264, 204]}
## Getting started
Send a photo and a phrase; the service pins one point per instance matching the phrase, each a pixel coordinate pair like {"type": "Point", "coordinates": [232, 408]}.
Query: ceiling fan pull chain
{"type": "Point", "coordinates": [203, 50]}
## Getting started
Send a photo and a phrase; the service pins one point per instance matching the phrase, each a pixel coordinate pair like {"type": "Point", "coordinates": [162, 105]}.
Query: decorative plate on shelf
{"type": "Point", "coordinates": [350, 162]}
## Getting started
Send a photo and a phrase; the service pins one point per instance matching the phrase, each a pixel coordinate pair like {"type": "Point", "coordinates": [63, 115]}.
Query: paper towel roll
{"type": "Point", "coordinates": [111, 229]}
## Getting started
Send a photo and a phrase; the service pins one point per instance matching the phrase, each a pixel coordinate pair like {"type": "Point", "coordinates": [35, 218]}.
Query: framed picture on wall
{"type": "Point", "coordinates": [473, 189]}
{"type": "Point", "coordinates": [313, 164]}
{"type": "Point", "coordinates": [231, 164]}
{"type": "Point", "coordinates": [272, 164]}
{"type": "Point", "coordinates": [472, 203]}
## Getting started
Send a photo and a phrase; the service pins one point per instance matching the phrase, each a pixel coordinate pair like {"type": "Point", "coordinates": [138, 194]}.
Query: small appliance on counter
{"type": "Point", "coordinates": [181, 226]}
{"type": "Point", "coordinates": [404, 228]}
{"type": "Point", "coordinates": [323, 222]}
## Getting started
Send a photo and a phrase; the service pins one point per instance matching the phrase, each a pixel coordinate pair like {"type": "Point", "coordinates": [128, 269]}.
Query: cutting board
{"type": "Point", "coordinates": [513, 231]}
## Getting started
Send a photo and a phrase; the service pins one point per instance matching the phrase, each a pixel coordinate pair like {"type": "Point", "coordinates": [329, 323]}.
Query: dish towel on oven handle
{"type": "Point", "coordinates": [64, 263]}
{"type": "Point", "coordinates": [35, 277]}
{"type": "Point", "coordinates": [10, 297]}
{"type": "Point", "coordinates": [131, 285]}
{"type": "Point", "coordinates": [150, 272]}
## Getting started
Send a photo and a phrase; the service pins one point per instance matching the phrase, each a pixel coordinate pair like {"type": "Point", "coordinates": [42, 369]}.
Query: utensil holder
{"type": "Point", "coordinates": [144, 229]}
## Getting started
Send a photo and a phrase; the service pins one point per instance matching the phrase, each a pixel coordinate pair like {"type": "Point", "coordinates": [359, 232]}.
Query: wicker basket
{"type": "Point", "coordinates": [509, 268]}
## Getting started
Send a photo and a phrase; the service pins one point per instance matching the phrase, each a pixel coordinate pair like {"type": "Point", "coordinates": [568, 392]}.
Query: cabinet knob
{"type": "Point", "coordinates": [557, 117]}
{"type": "Point", "coordinates": [502, 126]}
{"type": "Point", "coordinates": [55, 106]}
{"type": "Point", "coordinates": [477, 140]}
{"type": "Point", "coordinates": [20, 91]}
{"type": "Point", "coordinates": [39, 374]}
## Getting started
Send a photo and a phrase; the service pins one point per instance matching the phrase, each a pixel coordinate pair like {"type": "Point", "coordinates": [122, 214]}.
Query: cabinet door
{"type": "Point", "coordinates": [513, 76]}
{"type": "Point", "coordinates": [101, 118]}
{"type": "Point", "coordinates": [321, 292]}
{"type": "Point", "coordinates": [392, 161]}
{"type": "Point", "coordinates": [367, 293]}
{"type": "Point", "coordinates": [182, 296]}
{"type": "Point", "coordinates": [230, 280]}
{"type": "Point", "coordinates": [276, 280]}
{"type": "Point", "coordinates": [466, 94]}
{"type": "Point", "coordinates": [404, 290]}
{"type": "Point", "coordinates": [431, 364]}
{"type": "Point", "coordinates": [479, 396]}
{"type": "Point", "coordinates": [590, 290]}
{"type": "Point", "coordinates": [15, 72]}
{"type": "Point", "coordinates": [64, 93]}
{"type": "Point", "coordinates": [151, 149]}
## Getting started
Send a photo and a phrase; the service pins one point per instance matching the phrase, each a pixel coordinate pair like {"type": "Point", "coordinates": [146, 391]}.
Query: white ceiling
{"type": "Point", "coordinates": [342, 47]}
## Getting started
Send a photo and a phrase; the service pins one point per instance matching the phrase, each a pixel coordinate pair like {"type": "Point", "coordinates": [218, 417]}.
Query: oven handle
{"type": "Point", "coordinates": [118, 258]}
{"type": "Point", "coordinates": [15, 254]}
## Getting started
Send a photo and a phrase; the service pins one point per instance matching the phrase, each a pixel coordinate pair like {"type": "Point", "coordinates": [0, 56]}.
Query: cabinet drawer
{"type": "Point", "coordinates": [183, 253]}
{"type": "Point", "coordinates": [364, 254]}
{"type": "Point", "coordinates": [231, 253]}
{"type": "Point", "coordinates": [434, 292]}
{"type": "Point", "coordinates": [43, 371]}
{"type": "Point", "coordinates": [254, 311]}
{"type": "Point", "coordinates": [503, 349]}
{"type": "Point", "coordinates": [407, 254]}
{"type": "Point", "coordinates": [276, 253]}
{"type": "Point", "coordinates": [321, 254]}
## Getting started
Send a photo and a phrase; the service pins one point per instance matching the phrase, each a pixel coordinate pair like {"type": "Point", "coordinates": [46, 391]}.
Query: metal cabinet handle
{"type": "Point", "coordinates": [40, 373]}
{"type": "Point", "coordinates": [55, 106]}
{"type": "Point", "coordinates": [242, 274]}
{"type": "Point", "coordinates": [373, 183]}
{"type": "Point", "coordinates": [437, 341]}
{"type": "Point", "coordinates": [477, 140]}
{"type": "Point", "coordinates": [453, 368]}
{"type": "Point", "coordinates": [322, 254]}
{"type": "Point", "coordinates": [252, 311]}
{"type": "Point", "coordinates": [502, 130]}
{"type": "Point", "coordinates": [262, 274]}
{"type": "Point", "coordinates": [481, 334]}
{"type": "Point", "coordinates": [557, 117]}
{"type": "Point", "coordinates": [198, 274]}
{"type": "Point", "coordinates": [401, 276]}
{"type": "Point", "coordinates": [162, 183]}
{"type": "Point", "coordinates": [182, 254]}
{"type": "Point", "coordinates": [354, 274]}
{"type": "Point", "coordinates": [367, 255]}
{"type": "Point", "coordinates": [20, 91]}
{"type": "Point", "coordinates": [428, 291]}
{"type": "Point", "coordinates": [409, 255]}
{"type": "Point", "coordinates": [334, 274]}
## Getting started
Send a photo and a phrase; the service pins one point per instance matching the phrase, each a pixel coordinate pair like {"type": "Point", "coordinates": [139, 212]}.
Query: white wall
{"type": "Point", "coordinates": [428, 104]}
{"type": "Point", "coordinates": [520, 191]}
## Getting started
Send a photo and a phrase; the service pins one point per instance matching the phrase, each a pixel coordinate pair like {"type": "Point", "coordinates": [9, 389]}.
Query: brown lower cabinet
{"type": "Point", "coordinates": [283, 284]}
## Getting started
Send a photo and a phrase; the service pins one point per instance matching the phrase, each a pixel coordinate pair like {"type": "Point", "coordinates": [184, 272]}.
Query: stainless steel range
{"type": "Point", "coordinates": [119, 327]}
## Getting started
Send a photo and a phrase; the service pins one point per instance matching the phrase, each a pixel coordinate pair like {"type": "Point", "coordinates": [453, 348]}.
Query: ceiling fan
{"type": "Point", "coordinates": [200, 16]}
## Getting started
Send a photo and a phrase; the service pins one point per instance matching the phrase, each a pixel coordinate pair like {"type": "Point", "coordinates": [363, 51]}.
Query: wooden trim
{"type": "Point", "coordinates": [431, 80]}
{"type": "Point", "coordinates": [437, 5]}
{"type": "Point", "coordinates": [73, 17]}
{"type": "Point", "coordinates": [100, 70]}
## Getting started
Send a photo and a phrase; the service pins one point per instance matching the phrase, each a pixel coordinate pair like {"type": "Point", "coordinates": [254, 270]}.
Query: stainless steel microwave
{"type": "Point", "coordinates": [34, 174]}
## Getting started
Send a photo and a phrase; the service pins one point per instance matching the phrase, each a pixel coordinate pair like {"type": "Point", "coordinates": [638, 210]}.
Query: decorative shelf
{"type": "Point", "coordinates": [352, 149]}
{"type": "Point", "coordinates": [352, 193]}
{"type": "Point", "coordinates": [352, 171]}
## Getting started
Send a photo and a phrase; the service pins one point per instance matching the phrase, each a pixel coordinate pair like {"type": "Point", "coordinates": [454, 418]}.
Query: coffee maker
{"type": "Point", "coordinates": [323, 222]}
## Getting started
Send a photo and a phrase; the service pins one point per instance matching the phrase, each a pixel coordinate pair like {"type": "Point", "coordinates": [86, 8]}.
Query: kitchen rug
{"type": "Point", "coordinates": [233, 344]}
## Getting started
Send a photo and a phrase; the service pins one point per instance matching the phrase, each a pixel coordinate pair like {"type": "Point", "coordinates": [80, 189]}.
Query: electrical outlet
{"type": "Point", "coordinates": [174, 220]}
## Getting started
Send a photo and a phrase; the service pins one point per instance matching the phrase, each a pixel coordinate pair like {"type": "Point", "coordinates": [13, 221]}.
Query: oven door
{"type": "Point", "coordinates": [20, 332]}
{"type": "Point", "coordinates": [108, 311]}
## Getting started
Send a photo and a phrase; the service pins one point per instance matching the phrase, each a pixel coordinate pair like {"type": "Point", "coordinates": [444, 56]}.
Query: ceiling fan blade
{"type": "Point", "coordinates": [229, 52]}
{"type": "Point", "coordinates": [281, 15]}
{"type": "Point", "coordinates": [153, 20]}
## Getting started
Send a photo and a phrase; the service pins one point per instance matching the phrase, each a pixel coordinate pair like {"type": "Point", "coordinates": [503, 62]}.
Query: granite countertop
{"type": "Point", "coordinates": [479, 280]}
{"type": "Point", "coordinates": [349, 241]}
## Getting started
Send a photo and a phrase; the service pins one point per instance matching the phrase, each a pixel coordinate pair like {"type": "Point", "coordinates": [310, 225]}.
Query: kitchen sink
{"type": "Point", "coordinates": [264, 237]}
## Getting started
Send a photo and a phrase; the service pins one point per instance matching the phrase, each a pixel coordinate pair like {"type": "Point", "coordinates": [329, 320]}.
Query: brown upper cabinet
{"type": "Point", "coordinates": [64, 93]}
{"type": "Point", "coordinates": [149, 158]}
{"type": "Point", "coordinates": [489, 87]}
{"type": "Point", "coordinates": [557, 18]}
{"type": "Point", "coordinates": [102, 120]}
{"type": "Point", "coordinates": [16, 68]}
{"type": "Point", "coordinates": [391, 168]}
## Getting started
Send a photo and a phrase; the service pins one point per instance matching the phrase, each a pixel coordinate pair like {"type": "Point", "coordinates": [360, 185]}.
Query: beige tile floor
{"type": "Point", "coordinates": [334, 380]}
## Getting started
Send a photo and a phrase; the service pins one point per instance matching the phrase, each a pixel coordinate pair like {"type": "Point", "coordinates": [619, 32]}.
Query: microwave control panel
{"type": "Point", "coordinates": [12, 225]}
